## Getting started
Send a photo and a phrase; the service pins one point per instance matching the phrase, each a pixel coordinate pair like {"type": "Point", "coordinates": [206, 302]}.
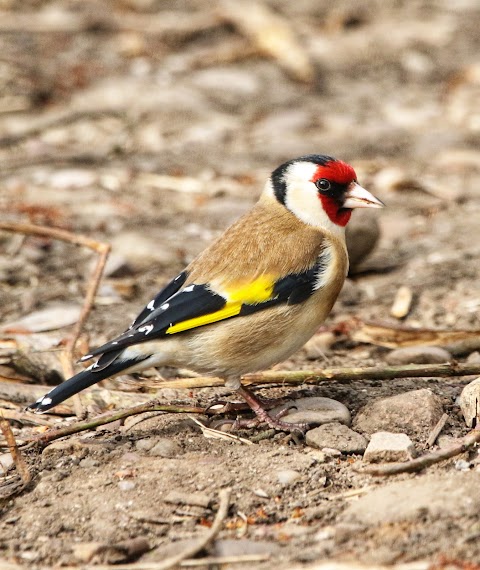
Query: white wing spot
{"type": "Point", "coordinates": [114, 341]}
{"type": "Point", "coordinates": [46, 401]}
{"type": "Point", "coordinates": [147, 329]}
{"type": "Point", "coordinates": [86, 357]}
{"type": "Point", "coordinates": [151, 305]}
{"type": "Point", "coordinates": [165, 306]}
{"type": "Point", "coordinates": [189, 289]}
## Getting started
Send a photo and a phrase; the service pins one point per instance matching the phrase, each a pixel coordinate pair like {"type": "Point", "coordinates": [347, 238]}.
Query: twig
{"type": "Point", "coordinates": [14, 451]}
{"type": "Point", "coordinates": [103, 249]}
{"type": "Point", "coordinates": [152, 406]}
{"type": "Point", "coordinates": [424, 461]}
{"type": "Point", "coordinates": [26, 418]}
{"type": "Point", "coordinates": [201, 544]}
{"type": "Point", "coordinates": [220, 560]}
{"type": "Point", "coordinates": [217, 434]}
{"type": "Point", "coordinates": [317, 376]}
{"type": "Point", "coordinates": [437, 430]}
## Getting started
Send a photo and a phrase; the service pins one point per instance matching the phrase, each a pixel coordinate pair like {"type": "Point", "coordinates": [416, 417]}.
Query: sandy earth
{"type": "Point", "coordinates": [93, 121]}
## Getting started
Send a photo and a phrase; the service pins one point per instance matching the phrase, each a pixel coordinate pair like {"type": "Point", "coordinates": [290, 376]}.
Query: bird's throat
{"type": "Point", "coordinates": [337, 215]}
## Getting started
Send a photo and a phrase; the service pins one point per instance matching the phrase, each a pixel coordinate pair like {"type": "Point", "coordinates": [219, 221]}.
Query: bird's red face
{"type": "Point", "coordinates": [339, 191]}
{"type": "Point", "coordinates": [332, 181]}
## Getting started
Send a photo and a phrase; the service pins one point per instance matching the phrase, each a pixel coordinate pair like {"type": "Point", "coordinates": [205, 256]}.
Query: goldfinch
{"type": "Point", "coordinates": [254, 296]}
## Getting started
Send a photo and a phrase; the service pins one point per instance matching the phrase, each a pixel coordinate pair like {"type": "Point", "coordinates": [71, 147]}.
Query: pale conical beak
{"type": "Point", "coordinates": [358, 197]}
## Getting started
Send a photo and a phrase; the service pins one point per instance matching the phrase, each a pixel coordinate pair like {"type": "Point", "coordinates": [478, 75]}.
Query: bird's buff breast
{"type": "Point", "coordinates": [255, 342]}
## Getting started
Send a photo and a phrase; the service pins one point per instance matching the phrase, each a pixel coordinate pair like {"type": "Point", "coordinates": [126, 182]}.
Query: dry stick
{"type": "Point", "coordinates": [104, 419]}
{"type": "Point", "coordinates": [335, 374]}
{"type": "Point", "coordinates": [220, 560]}
{"type": "Point", "coordinates": [103, 249]}
{"type": "Point", "coordinates": [420, 463]}
{"type": "Point", "coordinates": [14, 451]}
{"type": "Point", "coordinates": [201, 544]}
{"type": "Point", "coordinates": [437, 430]}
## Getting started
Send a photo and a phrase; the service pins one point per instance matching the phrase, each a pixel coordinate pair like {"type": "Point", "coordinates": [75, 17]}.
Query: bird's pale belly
{"type": "Point", "coordinates": [248, 344]}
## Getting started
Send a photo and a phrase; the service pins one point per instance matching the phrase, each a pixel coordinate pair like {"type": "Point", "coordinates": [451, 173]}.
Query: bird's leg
{"type": "Point", "coordinates": [222, 407]}
{"type": "Point", "coordinates": [263, 416]}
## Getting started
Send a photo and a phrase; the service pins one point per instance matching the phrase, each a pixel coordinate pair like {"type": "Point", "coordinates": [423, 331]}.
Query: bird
{"type": "Point", "coordinates": [250, 299]}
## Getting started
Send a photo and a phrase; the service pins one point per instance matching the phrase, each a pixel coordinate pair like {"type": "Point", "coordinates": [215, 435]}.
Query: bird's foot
{"type": "Point", "coordinates": [263, 417]}
{"type": "Point", "coordinates": [222, 407]}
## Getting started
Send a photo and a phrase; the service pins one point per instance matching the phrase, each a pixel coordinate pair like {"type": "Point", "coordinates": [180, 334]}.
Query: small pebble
{"type": "Point", "coordinates": [126, 485]}
{"type": "Point", "coordinates": [402, 302]}
{"type": "Point", "coordinates": [473, 358]}
{"type": "Point", "coordinates": [385, 446]}
{"type": "Point", "coordinates": [261, 493]}
{"type": "Point", "coordinates": [165, 448]}
{"type": "Point", "coordinates": [288, 476]}
{"type": "Point", "coordinates": [336, 436]}
{"type": "Point", "coordinates": [89, 462]}
{"type": "Point", "coordinates": [144, 444]}
{"type": "Point", "coordinates": [462, 465]}
{"type": "Point", "coordinates": [418, 355]}
{"type": "Point", "coordinates": [316, 410]}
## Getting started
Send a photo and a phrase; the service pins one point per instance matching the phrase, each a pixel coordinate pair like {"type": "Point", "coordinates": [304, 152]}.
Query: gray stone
{"type": "Point", "coordinates": [418, 355]}
{"type": "Point", "coordinates": [316, 410]}
{"type": "Point", "coordinates": [414, 413]}
{"type": "Point", "coordinates": [144, 444]}
{"type": "Point", "coordinates": [362, 234]}
{"type": "Point", "coordinates": [288, 476]}
{"type": "Point", "coordinates": [165, 448]}
{"type": "Point", "coordinates": [126, 485]}
{"type": "Point", "coordinates": [469, 402]}
{"type": "Point", "coordinates": [336, 436]}
{"type": "Point", "coordinates": [452, 495]}
{"type": "Point", "coordinates": [386, 446]}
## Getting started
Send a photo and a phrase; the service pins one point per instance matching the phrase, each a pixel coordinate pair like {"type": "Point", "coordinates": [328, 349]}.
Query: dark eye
{"type": "Point", "coordinates": [323, 185]}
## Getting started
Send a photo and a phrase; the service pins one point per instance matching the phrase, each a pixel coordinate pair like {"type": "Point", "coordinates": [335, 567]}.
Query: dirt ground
{"type": "Point", "coordinates": [152, 125]}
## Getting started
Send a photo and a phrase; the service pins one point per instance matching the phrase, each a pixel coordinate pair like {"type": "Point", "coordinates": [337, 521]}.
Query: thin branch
{"type": "Point", "coordinates": [152, 406]}
{"type": "Point", "coordinates": [102, 249]}
{"type": "Point", "coordinates": [14, 451]}
{"type": "Point", "coordinates": [424, 461]}
{"type": "Point", "coordinates": [190, 552]}
{"type": "Point", "coordinates": [436, 431]}
{"type": "Point", "coordinates": [317, 376]}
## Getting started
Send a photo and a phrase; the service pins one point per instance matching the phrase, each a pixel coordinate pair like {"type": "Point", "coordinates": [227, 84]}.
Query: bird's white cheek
{"type": "Point", "coordinates": [303, 201]}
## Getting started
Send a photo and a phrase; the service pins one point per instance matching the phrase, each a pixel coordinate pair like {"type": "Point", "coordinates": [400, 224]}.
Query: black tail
{"type": "Point", "coordinates": [79, 382]}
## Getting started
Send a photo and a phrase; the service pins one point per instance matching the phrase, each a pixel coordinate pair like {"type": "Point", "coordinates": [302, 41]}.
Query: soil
{"type": "Point", "coordinates": [92, 120]}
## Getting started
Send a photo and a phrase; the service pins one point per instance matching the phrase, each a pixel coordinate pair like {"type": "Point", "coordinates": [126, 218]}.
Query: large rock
{"type": "Point", "coordinates": [452, 495]}
{"type": "Point", "coordinates": [414, 413]}
{"type": "Point", "coordinates": [362, 234]}
{"type": "Point", "coordinates": [469, 402]}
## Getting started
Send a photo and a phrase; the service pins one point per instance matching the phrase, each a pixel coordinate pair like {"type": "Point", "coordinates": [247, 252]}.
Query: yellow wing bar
{"type": "Point", "coordinates": [257, 291]}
